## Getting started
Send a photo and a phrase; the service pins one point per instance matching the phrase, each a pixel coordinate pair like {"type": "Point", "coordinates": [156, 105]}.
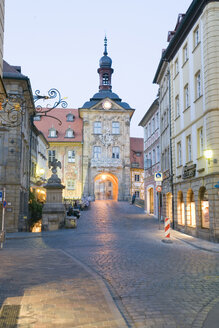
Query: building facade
{"type": "Point", "coordinates": [151, 124]}
{"type": "Point", "coordinates": [166, 166]}
{"type": "Point", "coordinates": [65, 144]}
{"type": "Point", "coordinates": [137, 168]}
{"type": "Point", "coordinates": [193, 60]}
{"type": "Point", "coordinates": [106, 140]}
{"type": "Point", "coordinates": [15, 150]}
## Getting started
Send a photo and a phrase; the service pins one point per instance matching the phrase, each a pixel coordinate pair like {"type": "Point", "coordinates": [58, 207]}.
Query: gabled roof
{"type": "Point", "coordinates": [46, 123]}
{"type": "Point", "coordinates": [105, 94]}
{"type": "Point", "coordinates": [137, 146]}
{"type": "Point", "coordinates": [154, 106]}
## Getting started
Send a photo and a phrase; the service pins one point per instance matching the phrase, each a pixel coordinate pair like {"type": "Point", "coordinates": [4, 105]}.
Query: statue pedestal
{"type": "Point", "coordinates": [53, 214]}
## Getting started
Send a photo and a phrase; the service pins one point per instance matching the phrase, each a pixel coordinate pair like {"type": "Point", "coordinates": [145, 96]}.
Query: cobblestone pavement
{"type": "Point", "coordinates": [153, 284]}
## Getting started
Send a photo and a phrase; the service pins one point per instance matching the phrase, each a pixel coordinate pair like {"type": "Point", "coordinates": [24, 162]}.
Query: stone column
{"type": "Point", "coordinates": [53, 214]}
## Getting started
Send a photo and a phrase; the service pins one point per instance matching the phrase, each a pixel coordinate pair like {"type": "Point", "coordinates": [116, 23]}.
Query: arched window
{"type": "Point", "coordinates": [180, 209]}
{"type": "Point", "coordinates": [191, 217]}
{"type": "Point", "coordinates": [70, 117]}
{"type": "Point", "coordinates": [105, 79]}
{"type": "Point", "coordinates": [69, 133]}
{"type": "Point", "coordinates": [204, 207]}
{"type": "Point", "coordinates": [52, 133]}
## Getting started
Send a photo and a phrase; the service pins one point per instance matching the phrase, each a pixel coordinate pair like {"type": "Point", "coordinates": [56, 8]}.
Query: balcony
{"type": "Point", "coordinates": [106, 162]}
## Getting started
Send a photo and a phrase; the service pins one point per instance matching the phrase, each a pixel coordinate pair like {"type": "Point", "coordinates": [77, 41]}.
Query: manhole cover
{"type": "Point", "coordinates": [9, 316]}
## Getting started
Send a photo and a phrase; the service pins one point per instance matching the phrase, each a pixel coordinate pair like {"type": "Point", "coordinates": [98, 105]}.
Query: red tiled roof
{"type": "Point", "coordinates": [137, 146]}
{"type": "Point", "coordinates": [47, 123]}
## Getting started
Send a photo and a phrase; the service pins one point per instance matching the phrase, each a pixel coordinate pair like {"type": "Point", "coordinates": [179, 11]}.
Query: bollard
{"type": "Point", "coordinates": [167, 231]}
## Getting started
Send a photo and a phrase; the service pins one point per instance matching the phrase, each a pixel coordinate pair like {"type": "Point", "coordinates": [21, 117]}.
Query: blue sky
{"type": "Point", "coordinates": [58, 44]}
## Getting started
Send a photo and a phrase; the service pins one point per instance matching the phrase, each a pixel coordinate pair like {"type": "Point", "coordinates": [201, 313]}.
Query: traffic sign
{"type": "Point", "coordinates": [217, 185]}
{"type": "Point", "coordinates": [4, 203]}
{"type": "Point", "coordinates": [159, 188]}
{"type": "Point", "coordinates": [1, 195]}
{"type": "Point", "coordinates": [158, 176]}
{"type": "Point", "coordinates": [158, 183]}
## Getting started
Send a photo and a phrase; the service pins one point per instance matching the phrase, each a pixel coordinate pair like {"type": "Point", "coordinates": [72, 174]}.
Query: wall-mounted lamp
{"type": "Point", "coordinates": [208, 153]}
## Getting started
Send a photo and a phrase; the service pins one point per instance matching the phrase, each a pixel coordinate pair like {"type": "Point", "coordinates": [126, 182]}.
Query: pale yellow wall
{"type": "Point", "coordinates": [211, 81]}
{"type": "Point", "coordinates": [68, 171]}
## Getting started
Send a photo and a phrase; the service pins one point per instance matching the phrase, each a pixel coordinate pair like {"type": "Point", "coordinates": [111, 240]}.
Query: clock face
{"type": "Point", "coordinates": [107, 104]}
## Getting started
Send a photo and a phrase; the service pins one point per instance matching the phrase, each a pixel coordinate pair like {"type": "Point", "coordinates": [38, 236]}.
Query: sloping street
{"type": "Point", "coordinates": [112, 271]}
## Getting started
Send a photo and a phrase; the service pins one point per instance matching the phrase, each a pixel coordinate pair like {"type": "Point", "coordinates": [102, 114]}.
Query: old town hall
{"type": "Point", "coordinates": [106, 140]}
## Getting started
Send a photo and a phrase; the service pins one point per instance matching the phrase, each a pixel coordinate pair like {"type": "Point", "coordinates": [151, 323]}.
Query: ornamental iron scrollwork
{"type": "Point", "coordinates": [12, 110]}
{"type": "Point", "coordinates": [13, 106]}
{"type": "Point", "coordinates": [44, 110]}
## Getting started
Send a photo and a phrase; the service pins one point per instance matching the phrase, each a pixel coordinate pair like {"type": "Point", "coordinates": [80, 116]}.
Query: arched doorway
{"type": "Point", "coordinates": [106, 186]}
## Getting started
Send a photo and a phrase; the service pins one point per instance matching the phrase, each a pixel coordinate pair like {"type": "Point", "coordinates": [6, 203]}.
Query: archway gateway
{"type": "Point", "coordinates": [106, 186]}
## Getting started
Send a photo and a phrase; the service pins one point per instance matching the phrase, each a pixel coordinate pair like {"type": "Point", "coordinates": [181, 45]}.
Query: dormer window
{"type": "Point", "coordinates": [52, 133]}
{"type": "Point", "coordinates": [70, 117]}
{"type": "Point", "coordinates": [69, 133]}
{"type": "Point", "coordinates": [105, 79]}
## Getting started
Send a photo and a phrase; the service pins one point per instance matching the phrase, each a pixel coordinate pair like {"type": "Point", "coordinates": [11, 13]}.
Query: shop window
{"type": "Point", "coordinates": [204, 203]}
{"type": "Point", "coordinates": [180, 209]}
{"type": "Point", "coordinates": [191, 216]}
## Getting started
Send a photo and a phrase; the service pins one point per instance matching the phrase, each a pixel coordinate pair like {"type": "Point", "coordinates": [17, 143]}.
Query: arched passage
{"type": "Point", "coordinates": [106, 186]}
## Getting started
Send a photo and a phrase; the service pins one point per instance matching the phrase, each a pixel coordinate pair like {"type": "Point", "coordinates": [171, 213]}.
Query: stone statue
{"type": "Point", "coordinates": [54, 164]}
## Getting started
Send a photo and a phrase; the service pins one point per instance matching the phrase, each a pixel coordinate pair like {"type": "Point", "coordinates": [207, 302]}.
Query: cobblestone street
{"type": "Point", "coordinates": [112, 271]}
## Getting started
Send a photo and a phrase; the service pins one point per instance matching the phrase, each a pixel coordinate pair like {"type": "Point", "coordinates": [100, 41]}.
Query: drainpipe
{"type": "Point", "coordinates": [171, 150]}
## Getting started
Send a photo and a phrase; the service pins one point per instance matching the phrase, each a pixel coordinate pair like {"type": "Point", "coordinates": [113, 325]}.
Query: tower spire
{"type": "Point", "coordinates": [105, 46]}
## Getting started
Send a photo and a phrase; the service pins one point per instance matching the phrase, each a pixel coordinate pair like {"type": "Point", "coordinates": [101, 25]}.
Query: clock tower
{"type": "Point", "coordinates": [106, 139]}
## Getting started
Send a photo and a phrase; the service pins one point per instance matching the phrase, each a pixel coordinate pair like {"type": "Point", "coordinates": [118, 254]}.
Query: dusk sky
{"type": "Point", "coordinates": [58, 44]}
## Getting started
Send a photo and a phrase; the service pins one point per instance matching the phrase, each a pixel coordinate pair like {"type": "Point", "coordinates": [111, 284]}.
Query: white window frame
{"type": "Point", "coordinates": [52, 133]}
{"type": "Point", "coordinates": [70, 184]}
{"type": "Point", "coordinates": [97, 127]}
{"type": "Point", "coordinates": [69, 117]}
{"type": "Point", "coordinates": [51, 155]}
{"type": "Point", "coordinates": [71, 156]}
{"type": "Point", "coordinates": [177, 110]}
{"type": "Point", "coordinates": [189, 148]}
{"type": "Point", "coordinates": [201, 141]}
{"type": "Point", "coordinates": [69, 133]}
{"type": "Point", "coordinates": [158, 154]}
{"type": "Point", "coordinates": [186, 95]}
{"type": "Point", "coordinates": [198, 84]}
{"type": "Point", "coordinates": [196, 36]}
{"type": "Point", "coordinates": [115, 127]}
{"type": "Point", "coordinates": [115, 152]}
{"type": "Point", "coordinates": [179, 153]}
{"type": "Point", "coordinates": [185, 53]}
{"type": "Point", "coordinates": [97, 152]}
{"type": "Point", "coordinates": [137, 177]}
